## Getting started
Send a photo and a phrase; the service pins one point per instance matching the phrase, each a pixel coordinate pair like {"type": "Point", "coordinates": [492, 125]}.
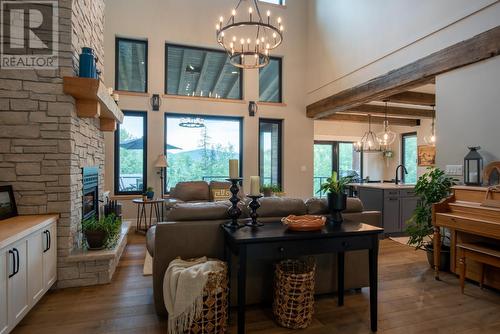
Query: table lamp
{"type": "Point", "coordinates": [161, 162]}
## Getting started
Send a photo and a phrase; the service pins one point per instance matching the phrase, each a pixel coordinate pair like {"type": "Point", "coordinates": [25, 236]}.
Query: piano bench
{"type": "Point", "coordinates": [481, 252]}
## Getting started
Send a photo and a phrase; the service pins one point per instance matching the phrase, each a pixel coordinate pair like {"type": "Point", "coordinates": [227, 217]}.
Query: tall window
{"type": "Point", "coordinates": [131, 153]}
{"type": "Point", "coordinates": [199, 147]}
{"type": "Point", "coordinates": [276, 2]}
{"type": "Point", "coordinates": [409, 156]}
{"type": "Point", "coordinates": [270, 146]}
{"type": "Point", "coordinates": [336, 156]}
{"type": "Point", "coordinates": [191, 71]}
{"type": "Point", "coordinates": [131, 65]}
{"type": "Point", "coordinates": [270, 81]}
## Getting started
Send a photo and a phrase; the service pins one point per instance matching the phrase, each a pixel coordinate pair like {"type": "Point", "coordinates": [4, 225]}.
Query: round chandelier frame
{"type": "Point", "coordinates": [368, 142]}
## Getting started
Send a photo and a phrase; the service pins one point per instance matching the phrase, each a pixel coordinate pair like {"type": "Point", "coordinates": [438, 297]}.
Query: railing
{"type": "Point", "coordinates": [131, 182]}
{"type": "Point", "coordinates": [317, 181]}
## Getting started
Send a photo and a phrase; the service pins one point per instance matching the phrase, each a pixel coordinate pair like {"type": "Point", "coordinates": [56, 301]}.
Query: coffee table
{"type": "Point", "coordinates": [274, 240]}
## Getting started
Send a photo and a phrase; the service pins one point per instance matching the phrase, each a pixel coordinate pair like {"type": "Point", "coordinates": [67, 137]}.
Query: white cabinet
{"type": "Point", "coordinates": [28, 261]}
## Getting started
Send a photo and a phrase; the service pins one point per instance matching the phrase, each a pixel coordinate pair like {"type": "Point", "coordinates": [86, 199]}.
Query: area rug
{"type": "Point", "coordinates": [147, 270]}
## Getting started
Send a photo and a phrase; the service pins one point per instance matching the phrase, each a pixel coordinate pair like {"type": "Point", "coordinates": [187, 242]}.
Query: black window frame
{"type": "Point", "coordinates": [403, 148]}
{"type": "Point", "coordinates": [335, 154]}
{"type": "Point", "coordinates": [215, 117]}
{"type": "Point", "coordinates": [126, 39]}
{"type": "Point", "coordinates": [279, 122]}
{"type": "Point", "coordinates": [165, 88]}
{"type": "Point", "coordinates": [281, 2]}
{"type": "Point", "coordinates": [280, 78]}
{"type": "Point", "coordinates": [144, 115]}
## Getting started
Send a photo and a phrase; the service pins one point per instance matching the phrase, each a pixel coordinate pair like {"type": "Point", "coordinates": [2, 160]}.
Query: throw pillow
{"type": "Point", "coordinates": [221, 194]}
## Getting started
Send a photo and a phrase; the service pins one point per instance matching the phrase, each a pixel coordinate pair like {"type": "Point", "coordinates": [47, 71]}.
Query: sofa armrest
{"type": "Point", "coordinates": [187, 239]}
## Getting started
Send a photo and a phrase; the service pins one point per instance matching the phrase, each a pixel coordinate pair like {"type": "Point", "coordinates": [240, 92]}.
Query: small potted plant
{"type": "Point", "coordinates": [269, 190]}
{"type": "Point", "coordinates": [101, 233]}
{"type": "Point", "coordinates": [337, 199]}
{"type": "Point", "coordinates": [432, 187]}
{"type": "Point", "coordinates": [150, 193]}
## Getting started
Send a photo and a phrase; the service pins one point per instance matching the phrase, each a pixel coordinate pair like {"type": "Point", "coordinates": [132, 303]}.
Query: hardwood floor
{"type": "Point", "coordinates": [410, 301]}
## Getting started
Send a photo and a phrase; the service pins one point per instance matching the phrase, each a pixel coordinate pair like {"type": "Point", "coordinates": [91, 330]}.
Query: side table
{"type": "Point", "coordinates": [154, 204]}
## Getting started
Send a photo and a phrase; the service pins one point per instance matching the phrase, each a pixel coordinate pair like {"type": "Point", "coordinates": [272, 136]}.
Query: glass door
{"type": "Point", "coordinates": [323, 164]}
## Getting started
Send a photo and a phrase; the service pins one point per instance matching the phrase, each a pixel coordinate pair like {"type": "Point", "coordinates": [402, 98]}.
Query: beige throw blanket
{"type": "Point", "coordinates": [183, 291]}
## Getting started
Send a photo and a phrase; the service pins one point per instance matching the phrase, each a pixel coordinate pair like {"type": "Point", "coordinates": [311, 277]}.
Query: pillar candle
{"type": "Point", "coordinates": [234, 171]}
{"type": "Point", "coordinates": [254, 186]}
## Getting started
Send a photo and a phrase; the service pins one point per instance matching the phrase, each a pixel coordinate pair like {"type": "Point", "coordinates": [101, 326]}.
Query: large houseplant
{"type": "Point", "coordinates": [101, 233]}
{"type": "Point", "coordinates": [431, 187]}
{"type": "Point", "coordinates": [337, 199]}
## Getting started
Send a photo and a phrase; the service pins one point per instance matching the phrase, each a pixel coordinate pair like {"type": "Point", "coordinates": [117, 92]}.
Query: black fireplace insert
{"type": "Point", "coordinates": [90, 198]}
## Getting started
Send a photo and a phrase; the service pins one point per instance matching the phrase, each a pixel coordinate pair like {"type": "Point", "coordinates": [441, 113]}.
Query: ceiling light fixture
{"type": "Point", "coordinates": [431, 138]}
{"type": "Point", "coordinates": [192, 122]}
{"type": "Point", "coordinates": [368, 143]}
{"type": "Point", "coordinates": [256, 36]}
{"type": "Point", "coordinates": [387, 137]}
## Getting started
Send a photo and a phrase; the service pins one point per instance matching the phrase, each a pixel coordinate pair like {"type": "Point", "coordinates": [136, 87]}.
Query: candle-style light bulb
{"type": "Point", "coordinates": [242, 41]}
{"type": "Point", "coordinates": [231, 45]}
{"type": "Point", "coordinates": [274, 35]}
{"type": "Point", "coordinates": [250, 10]}
{"type": "Point", "coordinates": [221, 19]}
{"type": "Point", "coordinates": [248, 40]}
{"type": "Point", "coordinates": [217, 26]}
{"type": "Point", "coordinates": [268, 13]}
{"type": "Point", "coordinates": [262, 39]}
{"type": "Point", "coordinates": [257, 41]}
{"type": "Point", "coordinates": [267, 46]}
{"type": "Point", "coordinates": [279, 19]}
{"type": "Point", "coordinates": [281, 28]}
{"type": "Point", "coordinates": [234, 38]}
{"type": "Point", "coordinates": [233, 12]}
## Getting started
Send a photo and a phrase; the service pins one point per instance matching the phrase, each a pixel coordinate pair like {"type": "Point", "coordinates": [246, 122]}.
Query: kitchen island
{"type": "Point", "coordinates": [396, 202]}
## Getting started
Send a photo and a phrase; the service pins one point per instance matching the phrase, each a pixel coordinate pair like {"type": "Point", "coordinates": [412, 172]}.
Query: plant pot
{"type": "Point", "coordinates": [150, 194]}
{"type": "Point", "coordinates": [95, 239]}
{"type": "Point", "coordinates": [267, 193]}
{"type": "Point", "coordinates": [336, 204]}
{"type": "Point", "coordinates": [444, 264]}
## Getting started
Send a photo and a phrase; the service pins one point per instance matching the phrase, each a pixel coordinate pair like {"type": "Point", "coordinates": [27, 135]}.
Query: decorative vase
{"type": "Point", "coordinates": [336, 204]}
{"type": "Point", "coordinates": [150, 194]}
{"type": "Point", "coordinates": [95, 239]}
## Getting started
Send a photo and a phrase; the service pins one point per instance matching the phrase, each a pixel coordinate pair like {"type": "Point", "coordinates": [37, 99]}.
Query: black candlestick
{"type": "Point", "coordinates": [234, 211]}
{"type": "Point", "coordinates": [254, 205]}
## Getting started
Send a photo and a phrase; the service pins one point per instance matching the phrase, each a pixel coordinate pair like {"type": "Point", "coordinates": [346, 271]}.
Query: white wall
{"type": "Point", "coordinates": [192, 22]}
{"type": "Point", "coordinates": [469, 112]}
{"type": "Point", "coordinates": [354, 41]}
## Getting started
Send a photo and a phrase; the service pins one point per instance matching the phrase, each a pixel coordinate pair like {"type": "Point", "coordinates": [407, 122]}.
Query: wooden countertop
{"type": "Point", "coordinates": [383, 186]}
{"type": "Point", "coordinates": [16, 228]}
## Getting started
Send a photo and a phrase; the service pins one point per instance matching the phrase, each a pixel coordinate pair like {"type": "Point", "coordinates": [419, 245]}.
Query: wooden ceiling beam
{"type": "Point", "coordinates": [391, 111]}
{"type": "Point", "coordinates": [416, 98]}
{"type": "Point", "coordinates": [182, 75]}
{"type": "Point", "coordinates": [374, 119]}
{"type": "Point", "coordinates": [480, 47]}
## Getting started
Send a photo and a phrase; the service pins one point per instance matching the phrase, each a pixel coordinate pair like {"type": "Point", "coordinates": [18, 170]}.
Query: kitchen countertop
{"type": "Point", "coordinates": [382, 186]}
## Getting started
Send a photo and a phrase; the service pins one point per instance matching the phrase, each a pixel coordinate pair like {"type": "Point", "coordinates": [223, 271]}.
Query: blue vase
{"type": "Point", "coordinates": [88, 61]}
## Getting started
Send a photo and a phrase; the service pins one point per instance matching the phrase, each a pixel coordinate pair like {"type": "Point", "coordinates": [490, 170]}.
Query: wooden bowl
{"type": "Point", "coordinates": [304, 223]}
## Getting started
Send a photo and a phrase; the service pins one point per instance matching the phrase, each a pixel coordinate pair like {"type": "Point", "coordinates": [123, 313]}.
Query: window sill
{"type": "Point", "coordinates": [127, 93]}
{"type": "Point", "coordinates": [272, 104]}
{"type": "Point", "coordinates": [199, 98]}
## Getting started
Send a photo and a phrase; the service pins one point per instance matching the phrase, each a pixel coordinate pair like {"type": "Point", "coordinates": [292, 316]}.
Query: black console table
{"type": "Point", "coordinates": [273, 240]}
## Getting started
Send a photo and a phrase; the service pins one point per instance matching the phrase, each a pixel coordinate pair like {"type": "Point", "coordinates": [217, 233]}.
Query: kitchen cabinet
{"type": "Point", "coordinates": [28, 260]}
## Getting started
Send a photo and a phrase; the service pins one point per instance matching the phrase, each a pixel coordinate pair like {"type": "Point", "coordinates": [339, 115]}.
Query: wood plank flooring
{"type": "Point", "coordinates": [410, 301]}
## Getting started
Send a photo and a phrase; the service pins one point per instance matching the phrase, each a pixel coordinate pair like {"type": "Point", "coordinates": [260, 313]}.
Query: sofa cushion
{"type": "Point", "coordinates": [281, 207]}
{"type": "Point", "coordinates": [199, 211]}
{"type": "Point", "coordinates": [150, 240]}
{"type": "Point", "coordinates": [319, 206]}
{"type": "Point", "coordinates": [191, 191]}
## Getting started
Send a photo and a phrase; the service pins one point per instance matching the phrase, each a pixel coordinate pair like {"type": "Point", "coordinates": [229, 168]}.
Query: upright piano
{"type": "Point", "coordinates": [467, 221]}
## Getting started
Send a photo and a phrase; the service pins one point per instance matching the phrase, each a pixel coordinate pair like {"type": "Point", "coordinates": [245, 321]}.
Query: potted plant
{"type": "Point", "coordinates": [150, 193]}
{"type": "Point", "coordinates": [269, 189]}
{"type": "Point", "coordinates": [337, 199]}
{"type": "Point", "coordinates": [101, 233]}
{"type": "Point", "coordinates": [432, 187]}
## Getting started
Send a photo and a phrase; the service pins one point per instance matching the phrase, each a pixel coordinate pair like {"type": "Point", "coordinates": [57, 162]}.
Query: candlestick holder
{"type": "Point", "coordinates": [254, 205]}
{"type": "Point", "coordinates": [234, 211]}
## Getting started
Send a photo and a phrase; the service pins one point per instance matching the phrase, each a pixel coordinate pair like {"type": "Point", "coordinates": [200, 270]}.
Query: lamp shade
{"type": "Point", "coordinates": [161, 162]}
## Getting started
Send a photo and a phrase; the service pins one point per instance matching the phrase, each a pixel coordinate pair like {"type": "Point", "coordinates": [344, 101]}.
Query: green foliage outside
{"type": "Point", "coordinates": [410, 159]}
{"type": "Point", "coordinates": [110, 224]}
{"type": "Point", "coordinates": [130, 159]}
{"type": "Point", "coordinates": [431, 188]}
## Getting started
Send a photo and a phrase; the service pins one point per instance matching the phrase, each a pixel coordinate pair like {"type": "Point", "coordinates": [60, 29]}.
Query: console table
{"type": "Point", "coordinates": [273, 240]}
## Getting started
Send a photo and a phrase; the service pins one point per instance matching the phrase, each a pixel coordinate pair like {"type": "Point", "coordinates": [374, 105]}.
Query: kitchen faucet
{"type": "Point", "coordinates": [397, 170]}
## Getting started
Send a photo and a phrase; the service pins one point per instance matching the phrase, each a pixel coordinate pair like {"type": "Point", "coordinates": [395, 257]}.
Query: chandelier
{"type": "Point", "coordinates": [387, 137]}
{"type": "Point", "coordinates": [367, 143]}
{"type": "Point", "coordinates": [192, 122]}
{"type": "Point", "coordinates": [248, 40]}
{"type": "Point", "coordinates": [431, 138]}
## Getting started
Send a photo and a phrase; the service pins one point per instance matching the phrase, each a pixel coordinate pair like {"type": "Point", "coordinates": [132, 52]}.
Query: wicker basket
{"type": "Point", "coordinates": [293, 304]}
{"type": "Point", "coordinates": [213, 318]}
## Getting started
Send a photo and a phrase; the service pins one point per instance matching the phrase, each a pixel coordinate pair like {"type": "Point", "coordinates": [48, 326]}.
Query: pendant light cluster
{"type": "Point", "coordinates": [248, 38]}
{"type": "Point", "coordinates": [431, 138]}
{"type": "Point", "coordinates": [387, 137]}
{"type": "Point", "coordinates": [369, 142]}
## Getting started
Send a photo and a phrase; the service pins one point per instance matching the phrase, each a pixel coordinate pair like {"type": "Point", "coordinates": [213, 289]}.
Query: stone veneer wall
{"type": "Point", "coordinates": [44, 145]}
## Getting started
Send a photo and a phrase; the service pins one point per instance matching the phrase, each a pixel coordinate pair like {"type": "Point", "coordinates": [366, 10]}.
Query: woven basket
{"type": "Point", "coordinates": [213, 318]}
{"type": "Point", "coordinates": [293, 305]}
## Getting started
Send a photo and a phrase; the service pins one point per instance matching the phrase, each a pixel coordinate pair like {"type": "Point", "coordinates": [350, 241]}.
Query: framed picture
{"type": "Point", "coordinates": [8, 206]}
{"type": "Point", "coordinates": [426, 155]}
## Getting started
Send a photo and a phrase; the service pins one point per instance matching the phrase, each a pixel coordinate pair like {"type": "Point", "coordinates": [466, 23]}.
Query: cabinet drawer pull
{"type": "Point", "coordinates": [13, 263]}
{"type": "Point", "coordinates": [393, 198]}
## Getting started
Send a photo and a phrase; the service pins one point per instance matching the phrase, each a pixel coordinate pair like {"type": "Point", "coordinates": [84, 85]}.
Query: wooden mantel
{"type": "Point", "coordinates": [93, 101]}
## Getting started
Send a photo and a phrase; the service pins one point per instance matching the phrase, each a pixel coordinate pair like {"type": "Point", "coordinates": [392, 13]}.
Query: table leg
{"type": "Point", "coordinates": [373, 264]}
{"type": "Point", "coordinates": [138, 219]}
{"type": "Point", "coordinates": [143, 217]}
{"type": "Point", "coordinates": [157, 212]}
{"type": "Point", "coordinates": [340, 277]}
{"type": "Point", "coordinates": [242, 273]}
{"type": "Point", "coordinates": [437, 251]}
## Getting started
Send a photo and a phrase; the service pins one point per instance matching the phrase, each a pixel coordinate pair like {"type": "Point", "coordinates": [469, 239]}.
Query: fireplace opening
{"type": "Point", "coordinates": [90, 198]}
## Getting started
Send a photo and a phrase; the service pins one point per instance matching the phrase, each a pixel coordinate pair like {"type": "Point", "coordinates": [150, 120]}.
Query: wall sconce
{"type": "Point", "coordinates": [155, 102]}
{"type": "Point", "coordinates": [252, 108]}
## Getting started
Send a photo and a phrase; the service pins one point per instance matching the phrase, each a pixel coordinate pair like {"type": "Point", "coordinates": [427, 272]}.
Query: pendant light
{"type": "Point", "coordinates": [368, 143]}
{"type": "Point", "coordinates": [431, 138]}
{"type": "Point", "coordinates": [387, 137]}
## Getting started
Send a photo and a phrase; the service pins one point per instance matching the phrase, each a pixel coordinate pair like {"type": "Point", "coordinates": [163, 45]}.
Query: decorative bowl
{"type": "Point", "coordinates": [304, 223]}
